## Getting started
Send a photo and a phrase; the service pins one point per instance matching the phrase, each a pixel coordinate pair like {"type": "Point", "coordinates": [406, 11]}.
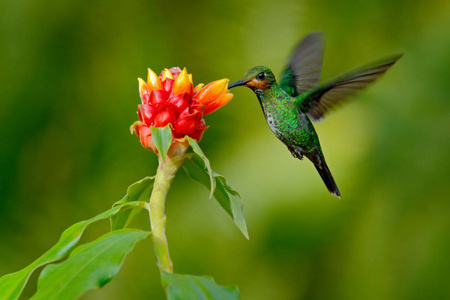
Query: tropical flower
{"type": "Point", "coordinates": [172, 99]}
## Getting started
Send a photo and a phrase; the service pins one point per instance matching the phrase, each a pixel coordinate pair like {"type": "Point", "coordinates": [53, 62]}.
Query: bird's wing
{"type": "Point", "coordinates": [303, 70]}
{"type": "Point", "coordinates": [318, 101]}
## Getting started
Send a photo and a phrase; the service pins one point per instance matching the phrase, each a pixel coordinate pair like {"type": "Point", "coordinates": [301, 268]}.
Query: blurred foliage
{"type": "Point", "coordinates": [69, 93]}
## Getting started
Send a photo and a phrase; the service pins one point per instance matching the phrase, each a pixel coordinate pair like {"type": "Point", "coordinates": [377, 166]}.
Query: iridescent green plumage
{"type": "Point", "coordinates": [290, 106]}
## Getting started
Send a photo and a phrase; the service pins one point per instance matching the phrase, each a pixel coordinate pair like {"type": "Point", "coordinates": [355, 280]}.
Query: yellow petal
{"type": "Point", "coordinates": [167, 74]}
{"type": "Point", "coordinates": [153, 80]}
{"type": "Point", "coordinates": [134, 127]}
{"type": "Point", "coordinates": [198, 87]}
{"type": "Point", "coordinates": [182, 83]}
{"type": "Point", "coordinates": [143, 87]}
{"type": "Point", "coordinates": [190, 79]}
{"type": "Point", "coordinates": [212, 91]}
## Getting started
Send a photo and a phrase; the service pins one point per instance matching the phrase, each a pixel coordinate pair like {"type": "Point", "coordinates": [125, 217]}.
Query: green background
{"type": "Point", "coordinates": [69, 92]}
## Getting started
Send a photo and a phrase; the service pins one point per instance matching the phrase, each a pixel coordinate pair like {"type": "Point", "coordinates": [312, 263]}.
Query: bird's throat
{"type": "Point", "coordinates": [259, 94]}
{"type": "Point", "coordinates": [264, 95]}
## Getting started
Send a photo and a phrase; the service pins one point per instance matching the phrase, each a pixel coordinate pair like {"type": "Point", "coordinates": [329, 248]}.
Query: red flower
{"type": "Point", "coordinates": [172, 99]}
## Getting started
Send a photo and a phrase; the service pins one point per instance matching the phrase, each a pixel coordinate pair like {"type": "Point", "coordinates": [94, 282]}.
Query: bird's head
{"type": "Point", "coordinates": [257, 78]}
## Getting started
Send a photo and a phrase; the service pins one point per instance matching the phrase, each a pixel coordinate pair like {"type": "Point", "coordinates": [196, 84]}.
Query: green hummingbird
{"type": "Point", "coordinates": [289, 107]}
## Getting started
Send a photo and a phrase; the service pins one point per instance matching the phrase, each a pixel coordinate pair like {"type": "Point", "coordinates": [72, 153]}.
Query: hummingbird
{"type": "Point", "coordinates": [299, 99]}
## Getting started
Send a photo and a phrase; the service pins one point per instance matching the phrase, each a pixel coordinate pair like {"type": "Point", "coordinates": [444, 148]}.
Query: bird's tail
{"type": "Point", "coordinates": [327, 178]}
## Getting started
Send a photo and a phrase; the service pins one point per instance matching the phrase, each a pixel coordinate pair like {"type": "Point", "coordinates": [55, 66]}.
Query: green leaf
{"type": "Point", "coordinates": [138, 191]}
{"type": "Point", "coordinates": [11, 285]}
{"type": "Point", "coordinates": [190, 287]}
{"type": "Point", "coordinates": [228, 198]}
{"type": "Point", "coordinates": [193, 143]}
{"type": "Point", "coordinates": [89, 266]}
{"type": "Point", "coordinates": [162, 137]}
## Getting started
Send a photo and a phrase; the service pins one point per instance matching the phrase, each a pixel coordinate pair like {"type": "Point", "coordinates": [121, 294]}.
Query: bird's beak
{"type": "Point", "coordinates": [237, 83]}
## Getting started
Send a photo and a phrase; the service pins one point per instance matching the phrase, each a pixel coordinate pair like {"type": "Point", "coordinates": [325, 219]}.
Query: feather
{"type": "Point", "coordinates": [303, 70]}
{"type": "Point", "coordinates": [318, 101]}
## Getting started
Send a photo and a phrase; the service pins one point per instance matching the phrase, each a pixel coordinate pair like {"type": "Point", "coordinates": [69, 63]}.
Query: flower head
{"type": "Point", "coordinates": [171, 98]}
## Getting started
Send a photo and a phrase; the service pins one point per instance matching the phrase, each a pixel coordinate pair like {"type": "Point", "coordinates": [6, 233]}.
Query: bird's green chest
{"type": "Point", "coordinates": [290, 125]}
{"type": "Point", "coordinates": [281, 118]}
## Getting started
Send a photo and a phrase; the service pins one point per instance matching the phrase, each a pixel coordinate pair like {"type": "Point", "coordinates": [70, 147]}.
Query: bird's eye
{"type": "Point", "coordinates": [261, 76]}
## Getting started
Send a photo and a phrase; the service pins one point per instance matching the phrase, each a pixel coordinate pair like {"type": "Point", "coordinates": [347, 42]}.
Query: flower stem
{"type": "Point", "coordinates": [164, 176]}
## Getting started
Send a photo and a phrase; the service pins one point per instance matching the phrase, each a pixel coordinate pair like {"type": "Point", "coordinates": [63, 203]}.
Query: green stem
{"type": "Point", "coordinates": [164, 176]}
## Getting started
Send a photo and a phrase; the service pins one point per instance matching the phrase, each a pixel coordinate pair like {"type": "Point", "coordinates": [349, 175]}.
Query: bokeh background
{"type": "Point", "coordinates": [69, 92]}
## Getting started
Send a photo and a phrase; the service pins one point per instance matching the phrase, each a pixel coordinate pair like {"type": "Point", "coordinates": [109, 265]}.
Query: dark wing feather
{"type": "Point", "coordinates": [318, 101]}
{"type": "Point", "coordinates": [303, 71]}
